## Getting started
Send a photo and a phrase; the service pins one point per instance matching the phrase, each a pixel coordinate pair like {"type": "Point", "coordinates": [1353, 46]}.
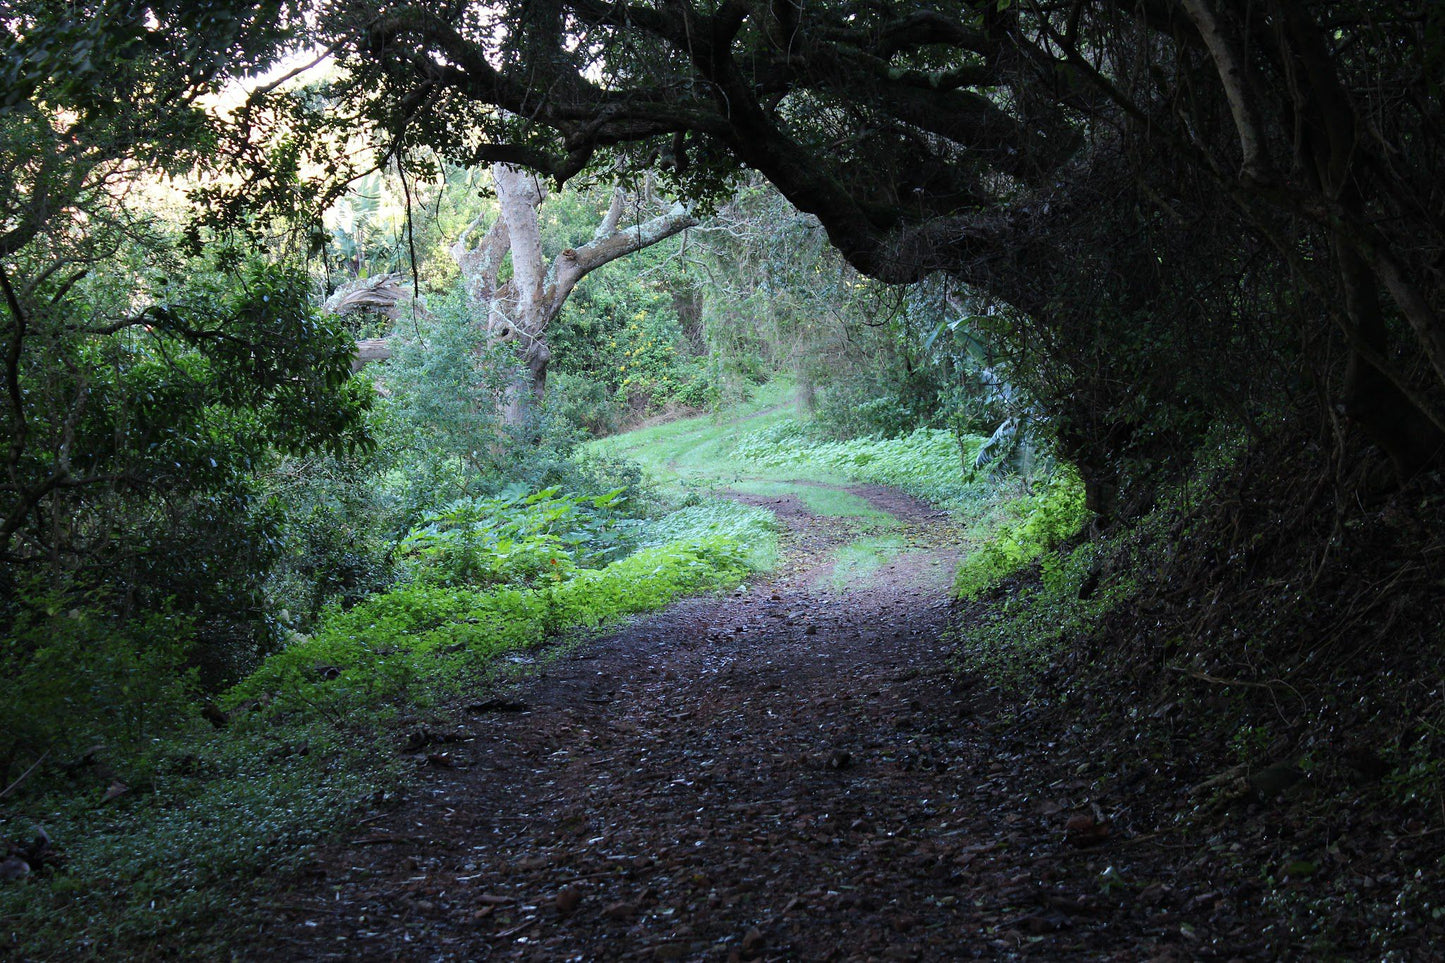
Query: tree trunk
{"type": "Point", "coordinates": [522, 309]}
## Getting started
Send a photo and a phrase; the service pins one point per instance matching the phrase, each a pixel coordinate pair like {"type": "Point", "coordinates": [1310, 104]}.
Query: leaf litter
{"type": "Point", "coordinates": [787, 773]}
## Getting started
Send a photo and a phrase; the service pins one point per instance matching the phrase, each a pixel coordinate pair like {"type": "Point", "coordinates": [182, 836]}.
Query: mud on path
{"type": "Point", "coordinates": [788, 772]}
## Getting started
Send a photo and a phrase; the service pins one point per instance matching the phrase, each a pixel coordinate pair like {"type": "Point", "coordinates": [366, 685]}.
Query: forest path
{"type": "Point", "coordinates": [789, 772]}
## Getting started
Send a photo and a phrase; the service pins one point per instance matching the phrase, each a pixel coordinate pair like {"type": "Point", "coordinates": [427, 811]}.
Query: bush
{"type": "Point", "coordinates": [417, 640]}
{"type": "Point", "coordinates": [696, 385]}
{"type": "Point", "coordinates": [80, 677]}
{"type": "Point", "coordinates": [584, 402]}
{"type": "Point", "coordinates": [1043, 521]}
{"type": "Point", "coordinates": [337, 536]}
{"type": "Point", "coordinates": [876, 403]}
{"type": "Point", "coordinates": [518, 539]}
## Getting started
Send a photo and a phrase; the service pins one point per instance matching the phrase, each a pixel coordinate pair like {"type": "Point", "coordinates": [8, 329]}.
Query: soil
{"type": "Point", "coordinates": [787, 772]}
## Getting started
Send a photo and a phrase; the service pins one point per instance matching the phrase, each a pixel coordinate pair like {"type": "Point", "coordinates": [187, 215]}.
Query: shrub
{"type": "Point", "coordinates": [80, 677]}
{"type": "Point", "coordinates": [415, 638]}
{"type": "Point", "coordinates": [518, 538]}
{"type": "Point", "coordinates": [584, 402]}
{"type": "Point", "coordinates": [1042, 522]}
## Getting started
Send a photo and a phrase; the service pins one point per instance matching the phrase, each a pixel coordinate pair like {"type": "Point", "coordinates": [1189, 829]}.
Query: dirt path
{"type": "Point", "coordinates": [790, 772]}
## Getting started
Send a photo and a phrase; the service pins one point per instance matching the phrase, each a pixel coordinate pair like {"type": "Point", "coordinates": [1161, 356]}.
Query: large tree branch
{"type": "Point", "coordinates": [481, 265]}
{"type": "Point", "coordinates": [520, 195]}
{"type": "Point", "coordinates": [573, 265]}
{"type": "Point", "coordinates": [369, 350]}
{"type": "Point", "coordinates": [383, 295]}
{"type": "Point", "coordinates": [1230, 64]}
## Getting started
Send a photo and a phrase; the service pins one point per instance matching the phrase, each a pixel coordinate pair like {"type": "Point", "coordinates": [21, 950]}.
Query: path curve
{"type": "Point", "coordinates": [790, 772]}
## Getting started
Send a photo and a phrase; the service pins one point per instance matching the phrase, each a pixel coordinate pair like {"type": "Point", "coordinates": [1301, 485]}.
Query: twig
{"type": "Point", "coordinates": [517, 929]}
{"type": "Point", "coordinates": [380, 839]}
{"type": "Point", "coordinates": [10, 788]}
{"type": "Point", "coordinates": [1270, 686]}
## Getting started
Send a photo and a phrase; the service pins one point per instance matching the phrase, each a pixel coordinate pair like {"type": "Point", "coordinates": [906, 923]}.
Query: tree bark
{"type": "Point", "coordinates": [383, 294]}
{"type": "Point", "coordinates": [521, 309]}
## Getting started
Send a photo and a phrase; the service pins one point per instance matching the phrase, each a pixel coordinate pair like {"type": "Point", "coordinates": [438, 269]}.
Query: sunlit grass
{"type": "Point", "coordinates": [820, 500]}
{"type": "Point", "coordinates": [856, 563]}
{"type": "Point", "coordinates": [697, 452]}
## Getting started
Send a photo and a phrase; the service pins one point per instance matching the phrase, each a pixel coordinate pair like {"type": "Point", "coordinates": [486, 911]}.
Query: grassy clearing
{"type": "Point", "coordinates": [768, 449]}
{"type": "Point", "coordinates": [769, 441]}
{"type": "Point", "coordinates": [927, 463]}
{"type": "Point", "coordinates": [693, 453]}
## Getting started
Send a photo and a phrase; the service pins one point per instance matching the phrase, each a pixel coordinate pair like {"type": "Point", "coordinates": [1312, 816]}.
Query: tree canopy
{"type": "Point", "coordinates": [1193, 206]}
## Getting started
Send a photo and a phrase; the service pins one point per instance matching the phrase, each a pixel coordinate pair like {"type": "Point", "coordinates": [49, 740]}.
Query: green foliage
{"type": "Point", "coordinates": [646, 356]}
{"type": "Point", "coordinates": [77, 677]}
{"type": "Point", "coordinates": [927, 462]}
{"type": "Point", "coordinates": [587, 402]}
{"type": "Point", "coordinates": [1015, 638]}
{"type": "Point", "coordinates": [439, 429]}
{"type": "Point", "coordinates": [337, 535]}
{"type": "Point", "coordinates": [518, 539]}
{"type": "Point", "coordinates": [753, 529]}
{"type": "Point", "coordinates": [210, 815]}
{"type": "Point", "coordinates": [1042, 522]}
{"type": "Point", "coordinates": [895, 375]}
{"type": "Point", "coordinates": [132, 490]}
{"type": "Point", "coordinates": [621, 332]}
{"type": "Point", "coordinates": [224, 808]}
{"type": "Point", "coordinates": [406, 643]}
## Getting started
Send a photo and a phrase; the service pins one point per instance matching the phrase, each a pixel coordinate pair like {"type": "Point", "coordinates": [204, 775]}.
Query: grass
{"type": "Point", "coordinates": [770, 441]}
{"type": "Point", "coordinates": [855, 563]}
{"type": "Point", "coordinates": [753, 530]}
{"type": "Point", "coordinates": [697, 452]}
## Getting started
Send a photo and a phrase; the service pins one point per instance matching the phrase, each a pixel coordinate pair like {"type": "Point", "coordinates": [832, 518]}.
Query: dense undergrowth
{"type": "Point", "coordinates": [1282, 644]}
{"type": "Point", "coordinates": [149, 837]}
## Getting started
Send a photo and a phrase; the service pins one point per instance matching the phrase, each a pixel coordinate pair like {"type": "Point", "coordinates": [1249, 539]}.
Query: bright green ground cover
{"type": "Point", "coordinates": [768, 441]}
{"type": "Point", "coordinates": [1022, 531]}
{"type": "Point", "coordinates": [698, 452]}
{"type": "Point", "coordinates": [210, 813]}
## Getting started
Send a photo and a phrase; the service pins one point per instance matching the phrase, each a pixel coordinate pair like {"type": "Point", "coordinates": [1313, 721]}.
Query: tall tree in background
{"type": "Point", "coordinates": [520, 309]}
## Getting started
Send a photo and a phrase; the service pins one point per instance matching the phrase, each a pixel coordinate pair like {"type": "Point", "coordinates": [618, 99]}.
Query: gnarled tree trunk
{"type": "Point", "coordinates": [521, 309]}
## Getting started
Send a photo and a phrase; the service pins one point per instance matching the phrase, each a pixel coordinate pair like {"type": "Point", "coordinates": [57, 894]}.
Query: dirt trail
{"type": "Point", "coordinates": [789, 772]}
